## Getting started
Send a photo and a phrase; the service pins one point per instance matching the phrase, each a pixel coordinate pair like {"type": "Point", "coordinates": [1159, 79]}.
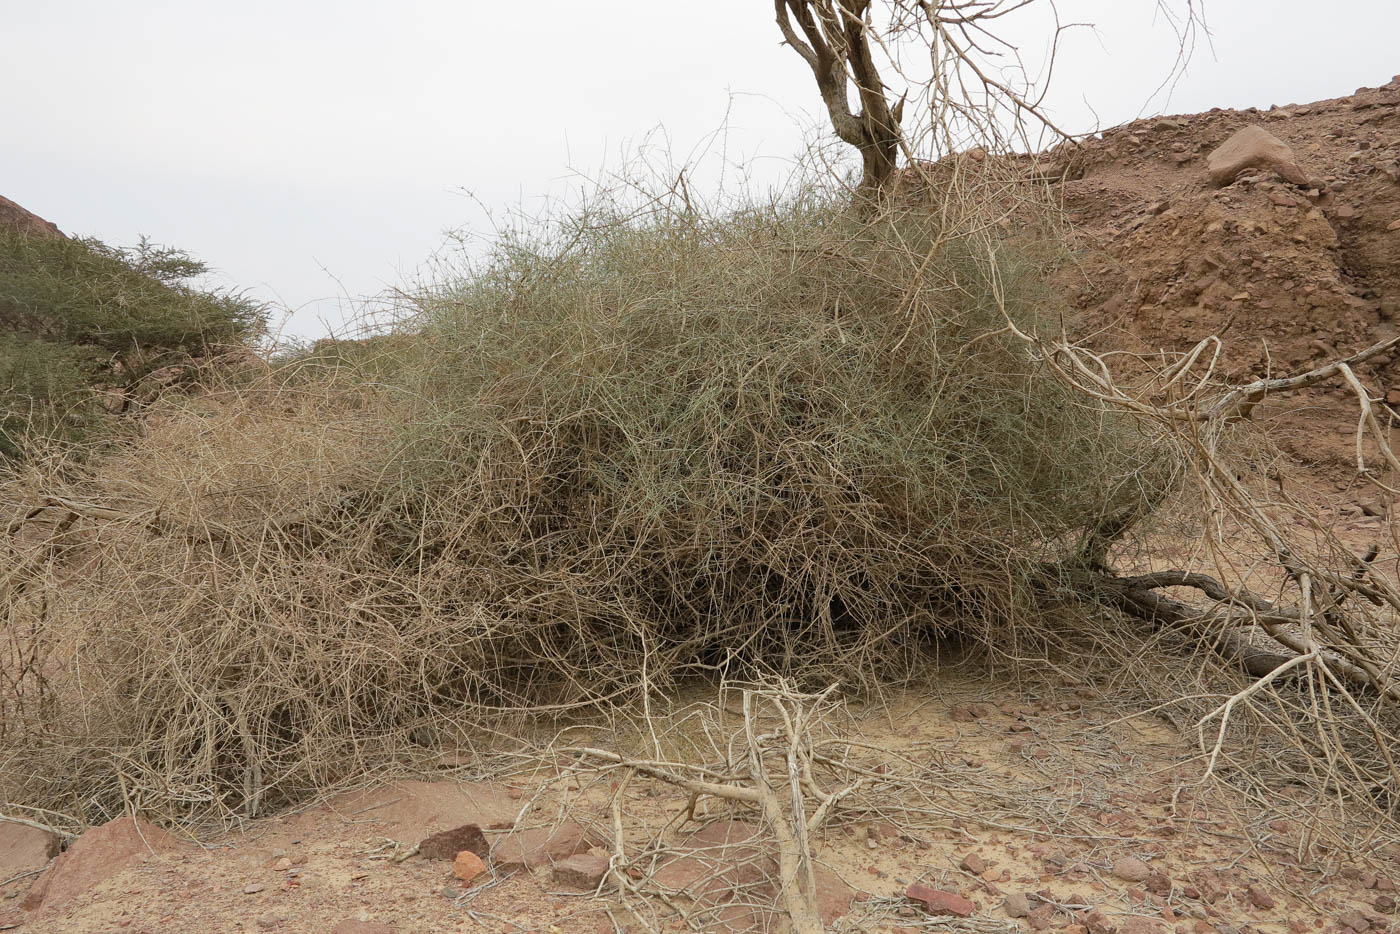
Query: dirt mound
{"type": "Point", "coordinates": [1295, 273]}
{"type": "Point", "coordinates": [15, 218]}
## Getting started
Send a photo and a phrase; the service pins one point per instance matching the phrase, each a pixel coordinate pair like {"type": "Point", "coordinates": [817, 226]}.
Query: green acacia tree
{"type": "Point", "coordinates": [78, 314]}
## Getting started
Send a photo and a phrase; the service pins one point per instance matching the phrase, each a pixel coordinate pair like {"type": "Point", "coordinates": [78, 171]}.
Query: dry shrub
{"type": "Point", "coordinates": [623, 449]}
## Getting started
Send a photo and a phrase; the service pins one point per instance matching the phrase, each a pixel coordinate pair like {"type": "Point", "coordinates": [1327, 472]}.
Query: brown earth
{"type": "Point", "coordinates": [1290, 275]}
{"type": "Point", "coordinates": [1052, 810]}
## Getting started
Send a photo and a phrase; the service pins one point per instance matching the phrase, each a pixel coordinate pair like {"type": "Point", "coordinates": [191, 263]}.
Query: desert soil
{"type": "Point", "coordinates": [1051, 811]}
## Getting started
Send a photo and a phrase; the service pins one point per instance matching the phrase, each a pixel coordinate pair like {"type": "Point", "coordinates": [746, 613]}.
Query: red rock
{"type": "Point", "coordinates": [1131, 869]}
{"type": "Point", "coordinates": [542, 846]}
{"type": "Point", "coordinates": [1355, 922]}
{"type": "Point", "coordinates": [732, 847]}
{"type": "Point", "coordinates": [1017, 905]}
{"type": "Point", "coordinates": [448, 843]}
{"type": "Point", "coordinates": [834, 894]}
{"type": "Point", "coordinates": [1209, 884]}
{"type": "Point", "coordinates": [1259, 897]}
{"type": "Point", "coordinates": [467, 866]}
{"type": "Point", "coordinates": [24, 849]}
{"type": "Point", "coordinates": [727, 869]}
{"type": "Point", "coordinates": [96, 856]}
{"type": "Point", "coordinates": [1041, 918]}
{"type": "Point", "coordinates": [1095, 922]}
{"type": "Point", "coordinates": [584, 871]}
{"type": "Point", "coordinates": [940, 903]}
{"type": "Point", "coordinates": [1159, 884]}
{"type": "Point", "coordinates": [974, 864]}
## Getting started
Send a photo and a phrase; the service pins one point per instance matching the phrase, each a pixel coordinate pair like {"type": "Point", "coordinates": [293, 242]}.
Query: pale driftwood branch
{"type": "Point", "coordinates": [669, 773]}
{"type": "Point", "coordinates": [756, 780]}
{"type": "Point", "coordinates": [797, 884]}
{"type": "Point", "coordinates": [47, 828]}
{"type": "Point", "coordinates": [1240, 401]}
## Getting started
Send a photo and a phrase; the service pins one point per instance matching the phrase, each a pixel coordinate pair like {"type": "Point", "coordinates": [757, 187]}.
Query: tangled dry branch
{"type": "Point", "coordinates": [772, 771]}
{"type": "Point", "coordinates": [1332, 631]}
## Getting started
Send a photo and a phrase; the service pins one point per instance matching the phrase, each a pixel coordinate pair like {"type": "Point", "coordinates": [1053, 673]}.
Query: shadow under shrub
{"type": "Point", "coordinates": [619, 452]}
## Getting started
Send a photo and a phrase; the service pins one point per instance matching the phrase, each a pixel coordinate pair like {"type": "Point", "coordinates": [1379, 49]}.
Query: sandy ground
{"type": "Point", "coordinates": [1042, 789]}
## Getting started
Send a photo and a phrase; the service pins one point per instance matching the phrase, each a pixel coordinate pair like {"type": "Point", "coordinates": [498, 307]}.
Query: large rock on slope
{"type": "Point", "coordinates": [1254, 148]}
{"type": "Point", "coordinates": [14, 218]}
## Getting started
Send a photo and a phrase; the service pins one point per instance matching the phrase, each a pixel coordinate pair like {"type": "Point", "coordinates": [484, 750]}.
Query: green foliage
{"type": "Point", "coordinates": [45, 390]}
{"type": "Point", "coordinates": [86, 293]}
{"type": "Point", "coordinates": [75, 314]}
{"type": "Point", "coordinates": [783, 429]}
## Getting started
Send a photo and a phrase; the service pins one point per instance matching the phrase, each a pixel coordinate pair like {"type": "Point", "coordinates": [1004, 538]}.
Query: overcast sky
{"type": "Point", "coordinates": [314, 151]}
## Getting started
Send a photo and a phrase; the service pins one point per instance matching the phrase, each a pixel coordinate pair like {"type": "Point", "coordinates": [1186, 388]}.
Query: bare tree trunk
{"type": "Point", "coordinates": [835, 43]}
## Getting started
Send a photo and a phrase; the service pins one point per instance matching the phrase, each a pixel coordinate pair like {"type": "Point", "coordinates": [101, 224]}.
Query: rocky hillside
{"type": "Point", "coordinates": [1295, 266]}
{"type": "Point", "coordinates": [16, 219]}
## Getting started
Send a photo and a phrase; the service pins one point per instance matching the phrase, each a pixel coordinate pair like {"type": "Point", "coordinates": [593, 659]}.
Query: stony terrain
{"type": "Point", "coordinates": [1292, 273]}
{"type": "Point", "coordinates": [1053, 814]}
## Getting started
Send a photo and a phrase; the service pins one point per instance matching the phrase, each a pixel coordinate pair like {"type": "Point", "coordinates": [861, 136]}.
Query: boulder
{"type": "Point", "coordinates": [24, 849]}
{"type": "Point", "coordinates": [585, 871]}
{"type": "Point", "coordinates": [1254, 148]}
{"type": "Point", "coordinates": [539, 847]}
{"type": "Point", "coordinates": [96, 856]}
{"type": "Point", "coordinates": [448, 843]}
{"type": "Point", "coordinates": [940, 903]}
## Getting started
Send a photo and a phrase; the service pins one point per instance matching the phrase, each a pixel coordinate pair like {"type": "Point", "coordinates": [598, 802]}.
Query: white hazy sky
{"type": "Point", "coordinates": [315, 151]}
